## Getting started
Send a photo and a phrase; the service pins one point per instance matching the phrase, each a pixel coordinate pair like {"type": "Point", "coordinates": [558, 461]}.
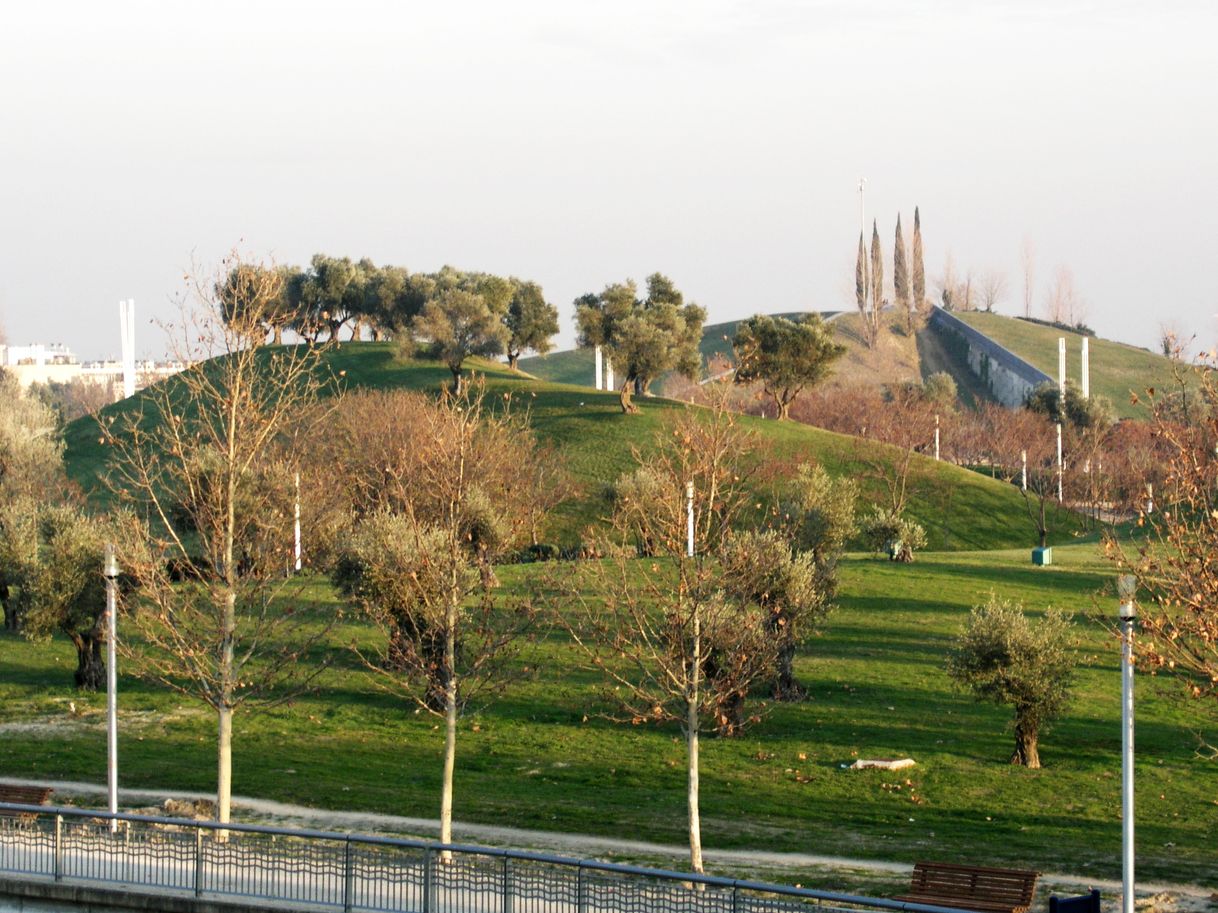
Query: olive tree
{"type": "Point", "coordinates": [460, 323]}
{"type": "Point", "coordinates": [54, 556]}
{"type": "Point", "coordinates": [642, 338]}
{"type": "Point", "coordinates": [785, 356]}
{"type": "Point", "coordinates": [531, 321]}
{"type": "Point", "coordinates": [1002, 656]}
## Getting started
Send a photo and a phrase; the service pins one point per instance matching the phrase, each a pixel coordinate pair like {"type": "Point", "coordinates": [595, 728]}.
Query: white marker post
{"type": "Point", "coordinates": [1086, 370]}
{"type": "Point", "coordinates": [110, 572]}
{"type": "Point", "coordinates": [600, 369]}
{"type": "Point", "coordinates": [689, 519]}
{"type": "Point", "coordinates": [1126, 588]}
{"type": "Point", "coordinates": [1023, 472]}
{"type": "Point", "coordinates": [1061, 368]}
{"type": "Point", "coordinates": [609, 375]}
{"type": "Point", "coordinates": [936, 437]}
{"type": "Point", "coordinates": [1059, 463]}
{"type": "Point", "coordinates": [297, 524]}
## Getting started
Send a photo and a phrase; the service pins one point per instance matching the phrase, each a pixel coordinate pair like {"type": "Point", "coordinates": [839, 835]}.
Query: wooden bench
{"type": "Point", "coordinates": [968, 887]}
{"type": "Point", "coordinates": [23, 795]}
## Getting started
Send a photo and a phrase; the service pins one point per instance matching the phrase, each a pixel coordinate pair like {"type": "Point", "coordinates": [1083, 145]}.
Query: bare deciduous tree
{"type": "Point", "coordinates": [1063, 304]}
{"type": "Point", "coordinates": [675, 643]}
{"type": "Point", "coordinates": [993, 288]}
{"type": "Point", "coordinates": [204, 461]}
{"type": "Point", "coordinates": [1172, 557]}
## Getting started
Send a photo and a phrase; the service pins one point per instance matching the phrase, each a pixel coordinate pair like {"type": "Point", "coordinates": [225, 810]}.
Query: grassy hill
{"type": "Point", "coordinates": [1116, 368]}
{"type": "Point", "coordinates": [959, 509]}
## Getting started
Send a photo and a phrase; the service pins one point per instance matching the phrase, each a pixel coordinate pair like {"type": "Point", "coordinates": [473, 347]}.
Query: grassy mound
{"type": "Point", "coordinates": [959, 509]}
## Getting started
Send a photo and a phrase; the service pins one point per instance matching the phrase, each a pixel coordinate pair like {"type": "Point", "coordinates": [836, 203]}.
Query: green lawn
{"type": "Point", "coordinates": [1116, 368]}
{"type": "Point", "coordinates": [541, 757]}
{"type": "Point", "coordinates": [960, 509]}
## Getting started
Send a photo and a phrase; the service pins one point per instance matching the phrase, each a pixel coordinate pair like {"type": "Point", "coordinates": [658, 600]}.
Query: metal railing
{"type": "Point", "coordinates": [303, 869]}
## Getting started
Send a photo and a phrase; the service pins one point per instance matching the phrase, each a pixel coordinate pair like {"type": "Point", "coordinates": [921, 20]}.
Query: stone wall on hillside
{"type": "Point", "coordinates": [1007, 376]}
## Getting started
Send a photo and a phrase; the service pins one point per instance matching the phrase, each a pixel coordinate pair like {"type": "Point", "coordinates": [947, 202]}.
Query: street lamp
{"type": "Point", "coordinates": [1127, 586]}
{"type": "Point", "coordinates": [110, 572]}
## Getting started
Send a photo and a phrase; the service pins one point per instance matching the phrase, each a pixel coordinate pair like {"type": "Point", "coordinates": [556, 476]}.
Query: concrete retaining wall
{"type": "Point", "coordinates": [1007, 376]}
{"type": "Point", "coordinates": [34, 896]}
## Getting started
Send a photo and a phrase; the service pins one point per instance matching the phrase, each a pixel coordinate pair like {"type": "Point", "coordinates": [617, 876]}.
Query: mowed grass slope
{"type": "Point", "coordinates": [543, 756]}
{"type": "Point", "coordinates": [1117, 369]}
{"type": "Point", "coordinates": [959, 509]}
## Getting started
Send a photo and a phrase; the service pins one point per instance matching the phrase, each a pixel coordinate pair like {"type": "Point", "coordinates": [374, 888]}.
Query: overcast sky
{"type": "Point", "coordinates": [580, 143]}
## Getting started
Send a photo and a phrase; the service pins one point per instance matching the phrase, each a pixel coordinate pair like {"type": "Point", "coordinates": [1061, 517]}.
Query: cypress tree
{"type": "Point", "coordinates": [877, 282]}
{"type": "Point", "coordinates": [919, 272]}
{"type": "Point", "coordinates": [900, 276]}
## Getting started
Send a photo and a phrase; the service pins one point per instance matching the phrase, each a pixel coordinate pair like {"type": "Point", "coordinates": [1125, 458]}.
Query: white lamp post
{"type": "Point", "coordinates": [110, 572]}
{"type": "Point", "coordinates": [1126, 587]}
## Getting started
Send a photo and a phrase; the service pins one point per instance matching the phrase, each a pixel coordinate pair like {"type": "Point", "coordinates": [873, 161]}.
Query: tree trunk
{"type": "Point", "coordinates": [691, 743]}
{"type": "Point", "coordinates": [1026, 753]}
{"type": "Point", "coordinates": [628, 407]}
{"type": "Point", "coordinates": [695, 822]}
{"type": "Point", "coordinates": [12, 618]}
{"type": "Point", "coordinates": [513, 358]}
{"type": "Point", "coordinates": [456, 390]}
{"type": "Point", "coordinates": [376, 333]}
{"type": "Point", "coordinates": [450, 718]}
{"type": "Point", "coordinates": [784, 409]}
{"type": "Point", "coordinates": [786, 686]}
{"type": "Point", "coordinates": [224, 765]}
{"type": "Point", "coordinates": [277, 330]}
{"type": "Point", "coordinates": [90, 665]}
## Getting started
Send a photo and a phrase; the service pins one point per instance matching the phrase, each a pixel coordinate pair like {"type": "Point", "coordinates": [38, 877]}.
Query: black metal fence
{"type": "Point", "coordinates": [328, 871]}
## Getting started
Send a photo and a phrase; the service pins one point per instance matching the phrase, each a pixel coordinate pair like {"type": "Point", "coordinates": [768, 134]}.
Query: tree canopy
{"type": "Point", "coordinates": [643, 338]}
{"type": "Point", "coordinates": [785, 356]}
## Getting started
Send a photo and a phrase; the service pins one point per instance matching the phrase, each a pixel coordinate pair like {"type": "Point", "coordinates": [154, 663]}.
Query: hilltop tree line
{"type": "Point", "coordinates": [457, 313]}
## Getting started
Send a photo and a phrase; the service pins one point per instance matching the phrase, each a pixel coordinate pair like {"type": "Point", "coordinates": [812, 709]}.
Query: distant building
{"type": "Point", "coordinates": [39, 363]}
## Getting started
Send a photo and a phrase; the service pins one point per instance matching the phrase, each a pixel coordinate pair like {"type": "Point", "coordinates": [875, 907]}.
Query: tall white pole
{"type": "Point", "coordinates": [600, 369]}
{"type": "Point", "coordinates": [689, 519]}
{"type": "Point", "coordinates": [862, 211]}
{"type": "Point", "coordinates": [110, 571]}
{"type": "Point", "coordinates": [126, 326]}
{"type": "Point", "coordinates": [936, 437]}
{"type": "Point", "coordinates": [1086, 368]}
{"type": "Point", "coordinates": [1126, 586]}
{"type": "Point", "coordinates": [1059, 462]}
{"type": "Point", "coordinates": [297, 523]}
{"type": "Point", "coordinates": [1023, 472]}
{"type": "Point", "coordinates": [609, 375]}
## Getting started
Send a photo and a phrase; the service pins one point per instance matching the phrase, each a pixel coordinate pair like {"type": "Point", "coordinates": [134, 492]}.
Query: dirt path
{"type": "Point", "coordinates": [1181, 898]}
